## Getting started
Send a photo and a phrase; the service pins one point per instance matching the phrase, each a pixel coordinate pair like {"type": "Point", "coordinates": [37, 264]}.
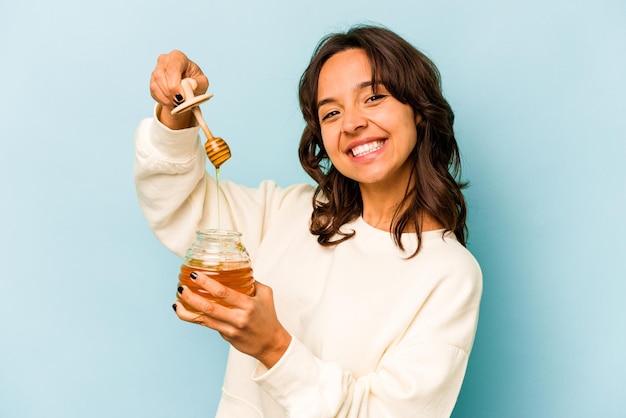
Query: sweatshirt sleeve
{"type": "Point", "coordinates": [419, 376]}
{"type": "Point", "coordinates": [171, 181]}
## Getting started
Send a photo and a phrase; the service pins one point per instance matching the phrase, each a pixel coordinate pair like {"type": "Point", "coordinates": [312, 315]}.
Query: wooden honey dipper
{"type": "Point", "coordinates": [216, 148]}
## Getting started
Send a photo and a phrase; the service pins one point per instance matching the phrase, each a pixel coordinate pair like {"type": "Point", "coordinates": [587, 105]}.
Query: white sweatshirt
{"type": "Point", "coordinates": [374, 334]}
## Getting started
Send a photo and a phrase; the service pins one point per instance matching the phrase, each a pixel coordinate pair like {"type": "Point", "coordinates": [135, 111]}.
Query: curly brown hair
{"type": "Point", "coordinates": [413, 79]}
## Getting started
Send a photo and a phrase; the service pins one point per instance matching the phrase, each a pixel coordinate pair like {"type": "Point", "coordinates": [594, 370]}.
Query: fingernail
{"type": "Point", "coordinates": [193, 275]}
{"type": "Point", "coordinates": [178, 98]}
{"type": "Point", "coordinates": [180, 290]}
{"type": "Point", "coordinates": [174, 307]}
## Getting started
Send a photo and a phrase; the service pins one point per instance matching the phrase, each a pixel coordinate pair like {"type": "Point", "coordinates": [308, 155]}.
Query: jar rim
{"type": "Point", "coordinates": [219, 232]}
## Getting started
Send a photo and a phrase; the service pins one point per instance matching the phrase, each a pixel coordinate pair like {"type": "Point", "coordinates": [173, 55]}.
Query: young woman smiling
{"type": "Point", "coordinates": [367, 300]}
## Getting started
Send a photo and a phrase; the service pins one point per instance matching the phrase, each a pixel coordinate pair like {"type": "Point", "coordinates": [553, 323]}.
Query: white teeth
{"type": "Point", "coordinates": [367, 148]}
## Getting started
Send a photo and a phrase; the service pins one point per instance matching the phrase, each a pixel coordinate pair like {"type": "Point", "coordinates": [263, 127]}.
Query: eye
{"type": "Point", "coordinates": [329, 115]}
{"type": "Point", "coordinates": [375, 98]}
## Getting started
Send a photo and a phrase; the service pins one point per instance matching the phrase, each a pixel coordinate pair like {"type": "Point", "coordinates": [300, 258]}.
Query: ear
{"type": "Point", "coordinates": [418, 118]}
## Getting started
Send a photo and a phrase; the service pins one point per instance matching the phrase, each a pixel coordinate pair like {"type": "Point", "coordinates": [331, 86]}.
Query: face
{"type": "Point", "coordinates": [368, 135]}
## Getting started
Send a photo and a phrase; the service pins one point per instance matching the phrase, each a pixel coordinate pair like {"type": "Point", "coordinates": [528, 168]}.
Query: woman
{"type": "Point", "coordinates": [367, 300]}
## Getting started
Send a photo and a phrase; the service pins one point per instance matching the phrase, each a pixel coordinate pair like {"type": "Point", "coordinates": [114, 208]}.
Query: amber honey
{"type": "Point", "coordinates": [239, 279]}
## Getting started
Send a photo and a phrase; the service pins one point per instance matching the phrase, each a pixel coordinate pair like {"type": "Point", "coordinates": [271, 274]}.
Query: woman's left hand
{"type": "Point", "coordinates": [250, 323]}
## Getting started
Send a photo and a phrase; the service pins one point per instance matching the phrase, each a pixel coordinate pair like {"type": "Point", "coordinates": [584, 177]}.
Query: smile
{"type": "Point", "coordinates": [364, 149]}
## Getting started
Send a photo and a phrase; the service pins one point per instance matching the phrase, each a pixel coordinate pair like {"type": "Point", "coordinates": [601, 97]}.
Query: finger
{"type": "Point", "coordinates": [192, 70]}
{"type": "Point", "coordinates": [218, 291]}
{"type": "Point", "coordinates": [157, 92]}
{"type": "Point", "coordinates": [226, 330]}
{"type": "Point", "coordinates": [230, 322]}
{"type": "Point", "coordinates": [159, 88]}
{"type": "Point", "coordinates": [201, 79]}
{"type": "Point", "coordinates": [166, 77]}
{"type": "Point", "coordinates": [198, 318]}
{"type": "Point", "coordinates": [176, 63]}
{"type": "Point", "coordinates": [204, 305]}
{"type": "Point", "coordinates": [261, 290]}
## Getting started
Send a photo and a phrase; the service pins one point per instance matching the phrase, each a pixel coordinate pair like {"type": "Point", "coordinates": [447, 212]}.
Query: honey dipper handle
{"type": "Point", "coordinates": [217, 149]}
{"type": "Point", "coordinates": [188, 85]}
{"type": "Point", "coordinates": [198, 115]}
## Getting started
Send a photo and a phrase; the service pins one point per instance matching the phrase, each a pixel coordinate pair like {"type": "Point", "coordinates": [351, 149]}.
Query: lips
{"type": "Point", "coordinates": [363, 149]}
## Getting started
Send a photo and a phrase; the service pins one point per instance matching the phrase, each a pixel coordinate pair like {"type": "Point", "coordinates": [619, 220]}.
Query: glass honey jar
{"type": "Point", "coordinates": [221, 255]}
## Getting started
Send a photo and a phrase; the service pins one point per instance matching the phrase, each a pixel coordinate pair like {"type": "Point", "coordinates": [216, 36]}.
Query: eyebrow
{"type": "Point", "coordinates": [359, 86]}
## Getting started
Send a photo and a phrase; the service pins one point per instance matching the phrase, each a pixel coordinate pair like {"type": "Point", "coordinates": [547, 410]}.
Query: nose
{"type": "Point", "coordinates": [353, 120]}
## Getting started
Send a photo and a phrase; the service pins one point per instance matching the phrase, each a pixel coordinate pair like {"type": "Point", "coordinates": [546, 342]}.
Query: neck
{"type": "Point", "coordinates": [379, 206]}
{"type": "Point", "coordinates": [379, 209]}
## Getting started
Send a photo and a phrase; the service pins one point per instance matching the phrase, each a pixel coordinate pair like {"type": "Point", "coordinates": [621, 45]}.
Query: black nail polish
{"type": "Point", "coordinates": [180, 290]}
{"type": "Point", "coordinates": [178, 98]}
{"type": "Point", "coordinates": [174, 307]}
{"type": "Point", "coordinates": [193, 275]}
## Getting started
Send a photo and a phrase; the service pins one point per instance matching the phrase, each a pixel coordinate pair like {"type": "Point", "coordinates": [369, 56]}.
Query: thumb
{"type": "Point", "coordinates": [262, 290]}
{"type": "Point", "coordinates": [194, 71]}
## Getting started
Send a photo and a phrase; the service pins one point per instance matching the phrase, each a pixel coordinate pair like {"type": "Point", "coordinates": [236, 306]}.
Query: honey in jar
{"type": "Point", "coordinates": [221, 255]}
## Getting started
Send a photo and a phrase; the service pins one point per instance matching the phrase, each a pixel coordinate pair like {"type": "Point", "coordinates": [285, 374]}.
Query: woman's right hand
{"type": "Point", "coordinates": [165, 87]}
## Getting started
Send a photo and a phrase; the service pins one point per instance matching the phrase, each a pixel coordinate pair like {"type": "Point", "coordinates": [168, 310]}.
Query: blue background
{"type": "Point", "coordinates": [538, 87]}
